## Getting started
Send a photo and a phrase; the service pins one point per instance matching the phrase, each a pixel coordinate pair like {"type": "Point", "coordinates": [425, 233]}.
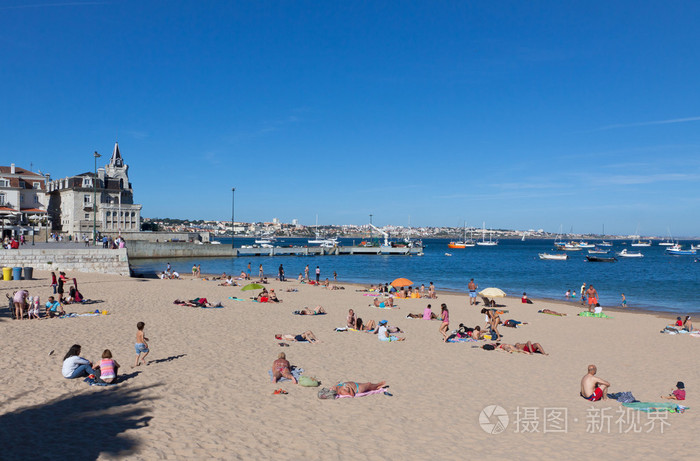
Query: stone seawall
{"type": "Point", "coordinates": [142, 249]}
{"type": "Point", "coordinates": [88, 260]}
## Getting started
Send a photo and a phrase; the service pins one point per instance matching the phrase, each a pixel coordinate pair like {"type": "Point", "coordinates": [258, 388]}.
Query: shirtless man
{"type": "Point", "coordinates": [592, 296]}
{"type": "Point", "coordinates": [352, 319]}
{"type": "Point", "coordinates": [315, 311]}
{"type": "Point", "coordinates": [351, 387]}
{"type": "Point", "coordinates": [592, 387]}
{"type": "Point", "coordinates": [281, 368]}
{"type": "Point", "coordinates": [472, 292]}
{"type": "Point", "coordinates": [301, 337]}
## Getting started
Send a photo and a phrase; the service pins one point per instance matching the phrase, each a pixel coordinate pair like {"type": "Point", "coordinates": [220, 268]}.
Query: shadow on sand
{"type": "Point", "coordinates": [168, 359]}
{"type": "Point", "coordinates": [77, 427]}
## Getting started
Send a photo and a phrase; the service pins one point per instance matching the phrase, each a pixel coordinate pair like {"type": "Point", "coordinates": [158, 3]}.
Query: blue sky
{"type": "Point", "coordinates": [521, 114]}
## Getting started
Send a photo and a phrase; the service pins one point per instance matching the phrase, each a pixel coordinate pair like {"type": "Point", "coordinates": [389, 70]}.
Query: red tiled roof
{"type": "Point", "coordinates": [18, 170]}
{"type": "Point", "coordinates": [4, 208]}
{"type": "Point", "coordinates": [32, 210]}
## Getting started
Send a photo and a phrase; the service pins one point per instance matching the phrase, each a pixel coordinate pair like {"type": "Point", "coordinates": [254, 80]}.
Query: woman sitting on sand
{"type": "Point", "coordinates": [369, 327]}
{"type": "Point", "coordinates": [263, 296]}
{"type": "Point", "coordinates": [306, 336]}
{"type": "Point", "coordinates": [75, 366]}
{"type": "Point", "coordinates": [687, 324]}
{"type": "Point", "coordinates": [273, 297]}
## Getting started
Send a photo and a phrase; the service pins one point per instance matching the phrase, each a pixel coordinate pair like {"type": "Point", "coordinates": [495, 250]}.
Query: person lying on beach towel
{"type": "Point", "coordinates": [510, 323]}
{"type": "Point", "coordinates": [304, 337]}
{"type": "Point", "coordinates": [530, 348]}
{"type": "Point", "coordinates": [550, 312]}
{"type": "Point", "coordinates": [385, 303]}
{"type": "Point", "coordinates": [318, 310]}
{"type": "Point", "coordinates": [355, 389]}
{"type": "Point", "coordinates": [197, 302]}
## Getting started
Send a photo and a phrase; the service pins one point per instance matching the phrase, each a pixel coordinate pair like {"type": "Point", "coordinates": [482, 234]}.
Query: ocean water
{"type": "Point", "coordinates": [657, 282]}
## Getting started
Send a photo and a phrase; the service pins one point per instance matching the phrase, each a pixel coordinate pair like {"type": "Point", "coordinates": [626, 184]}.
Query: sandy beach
{"type": "Point", "coordinates": [206, 393]}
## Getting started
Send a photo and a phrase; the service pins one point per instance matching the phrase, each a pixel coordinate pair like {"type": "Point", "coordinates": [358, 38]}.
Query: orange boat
{"type": "Point", "coordinates": [464, 243]}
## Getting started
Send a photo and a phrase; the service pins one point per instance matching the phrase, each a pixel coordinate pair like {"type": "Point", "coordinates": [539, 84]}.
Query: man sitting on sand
{"type": "Point", "coordinates": [592, 387]}
{"type": "Point", "coordinates": [302, 337]}
{"type": "Point", "coordinates": [282, 369]}
{"type": "Point", "coordinates": [352, 388]}
{"type": "Point", "coordinates": [530, 348]}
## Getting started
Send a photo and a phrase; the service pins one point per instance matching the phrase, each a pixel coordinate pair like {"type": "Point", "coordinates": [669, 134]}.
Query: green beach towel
{"type": "Point", "coordinates": [671, 407]}
{"type": "Point", "coordinates": [602, 315]}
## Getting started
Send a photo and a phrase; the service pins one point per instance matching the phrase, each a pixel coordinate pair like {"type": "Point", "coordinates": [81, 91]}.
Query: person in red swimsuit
{"type": "Point", "coordinates": [592, 387]}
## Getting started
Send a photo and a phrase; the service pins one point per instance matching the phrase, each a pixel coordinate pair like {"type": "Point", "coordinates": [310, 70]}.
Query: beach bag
{"type": "Point", "coordinates": [308, 381]}
{"type": "Point", "coordinates": [326, 394]}
{"type": "Point", "coordinates": [489, 347]}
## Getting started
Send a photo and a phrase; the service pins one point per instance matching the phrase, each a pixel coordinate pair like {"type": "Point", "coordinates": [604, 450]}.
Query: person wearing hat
{"type": "Point", "coordinates": [384, 335]}
{"type": "Point", "coordinates": [678, 393]}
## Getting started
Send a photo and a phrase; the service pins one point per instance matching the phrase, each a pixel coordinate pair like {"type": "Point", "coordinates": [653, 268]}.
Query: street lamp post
{"type": "Point", "coordinates": [94, 202]}
{"type": "Point", "coordinates": [233, 227]}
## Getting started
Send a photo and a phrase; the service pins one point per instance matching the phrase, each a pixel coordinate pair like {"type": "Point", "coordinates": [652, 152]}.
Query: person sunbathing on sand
{"type": "Point", "coordinates": [592, 387]}
{"type": "Point", "coordinates": [551, 312]}
{"type": "Point", "coordinates": [282, 369]}
{"type": "Point", "coordinates": [383, 332]}
{"type": "Point", "coordinates": [302, 337]}
{"type": "Point", "coordinates": [387, 302]}
{"type": "Point", "coordinates": [369, 327]}
{"type": "Point", "coordinates": [530, 348]}
{"type": "Point", "coordinates": [273, 297]}
{"type": "Point", "coordinates": [427, 314]}
{"type": "Point", "coordinates": [352, 388]}
{"type": "Point", "coordinates": [315, 311]}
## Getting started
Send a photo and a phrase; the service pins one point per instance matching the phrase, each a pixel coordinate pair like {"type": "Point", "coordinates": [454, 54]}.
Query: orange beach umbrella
{"type": "Point", "coordinates": [401, 282]}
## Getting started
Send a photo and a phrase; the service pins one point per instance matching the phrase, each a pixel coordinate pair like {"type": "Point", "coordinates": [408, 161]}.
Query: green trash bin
{"type": "Point", "coordinates": [17, 273]}
{"type": "Point", "coordinates": [28, 273]}
{"type": "Point", "coordinates": [7, 273]}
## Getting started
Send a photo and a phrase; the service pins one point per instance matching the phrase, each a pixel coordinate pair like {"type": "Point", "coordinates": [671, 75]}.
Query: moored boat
{"type": "Point", "coordinates": [554, 257]}
{"type": "Point", "coordinates": [630, 254]}
{"type": "Point", "coordinates": [601, 259]}
{"type": "Point", "coordinates": [678, 250]}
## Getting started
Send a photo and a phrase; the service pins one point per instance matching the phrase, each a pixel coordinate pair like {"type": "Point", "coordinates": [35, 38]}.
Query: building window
{"type": "Point", "coordinates": [87, 182]}
{"type": "Point", "coordinates": [36, 199]}
{"type": "Point", "coordinates": [37, 185]}
{"type": "Point", "coordinates": [87, 200]}
{"type": "Point", "coordinates": [87, 216]}
{"type": "Point", "coordinates": [2, 199]}
{"type": "Point", "coordinates": [21, 199]}
{"type": "Point", "coordinates": [4, 183]}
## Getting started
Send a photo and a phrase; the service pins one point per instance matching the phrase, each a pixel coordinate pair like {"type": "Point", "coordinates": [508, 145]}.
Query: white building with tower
{"type": "Point", "coordinates": [104, 201]}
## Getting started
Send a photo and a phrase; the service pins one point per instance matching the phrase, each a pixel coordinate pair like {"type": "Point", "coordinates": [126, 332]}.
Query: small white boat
{"type": "Point", "coordinates": [603, 243]}
{"type": "Point", "coordinates": [583, 244]}
{"type": "Point", "coordinates": [554, 257]}
{"type": "Point", "coordinates": [695, 247]}
{"type": "Point", "coordinates": [597, 251]}
{"type": "Point", "coordinates": [448, 254]}
{"type": "Point", "coordinates": [570, 246]}
{"type": "Point", "coordinates": [630, 254]}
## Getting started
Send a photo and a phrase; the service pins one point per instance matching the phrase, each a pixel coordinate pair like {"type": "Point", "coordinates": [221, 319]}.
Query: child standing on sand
{"type": "Point", "coordinates": [141, 345]}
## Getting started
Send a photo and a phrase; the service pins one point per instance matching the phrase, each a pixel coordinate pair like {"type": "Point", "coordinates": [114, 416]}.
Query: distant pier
{"type": "Point", "coordinates": [154, 250]}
